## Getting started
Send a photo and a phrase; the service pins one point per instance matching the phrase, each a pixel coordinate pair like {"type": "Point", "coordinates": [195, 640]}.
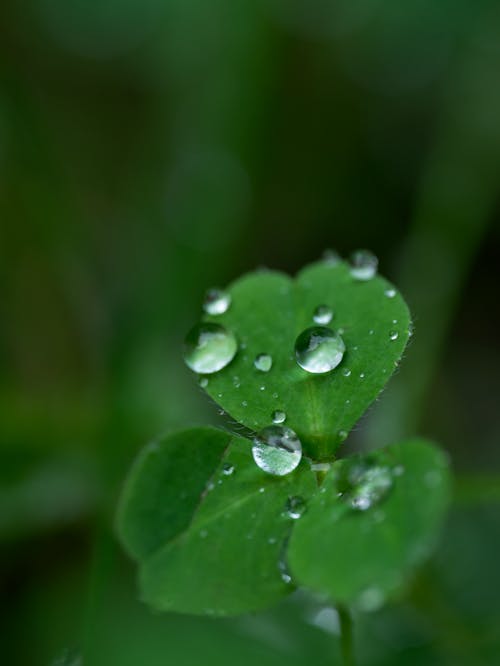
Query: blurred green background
{"type": "Point", "coordinates": [152, 148]}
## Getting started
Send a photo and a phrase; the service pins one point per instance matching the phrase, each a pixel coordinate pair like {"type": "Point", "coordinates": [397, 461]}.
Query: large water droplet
{"type": "Point", "coordinates": [363, 265]}
{"type": "Point", "coordinates": [216, 301]}
{"type": "Point", "coordinates": [263, 362]}
{"type": "Point", "coordinates": [277, 450]}
{"type": "Point", "coordinates": [278, 416]}
{"type": "Point", "coordinates": [318, 349]}
{"type": "Point", "coordinates": [363, 484]}
{"type": "Point", "coordinates": [295, 507]}
{"type": "Point", "coordinates": [209, 347]}
{"type": "Point", "coordinates": [323, 315]}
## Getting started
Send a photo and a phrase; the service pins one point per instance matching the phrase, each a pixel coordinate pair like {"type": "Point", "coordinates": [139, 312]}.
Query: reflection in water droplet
{"type": "Point", "coordinates": [227, 468]}
{"type": "Point", "coordinates": [363, 265]}
{"type": "Point", "coordinates": [295, 507]}
{"type": "Point", "coordinates": [216, 302]}
{"type": "Point", "coordinates": [363, 484]}
{"type": "Point", "coordinates": [263, 362]}
{"type": "Point", "coordinates": [203, 382]}
{"type": "Point", "coordinates": [323, 315]}
{"type": "Point", "coordinates": [393, 335]}
{"type": "Point", "coordinates": [318, 349]}
{"type": "Point", "coordinates": [390, 293]}
{"type": "Point", "coordinates": [277, 450]}
{"type": "Point", "coordinates": [209, 347]}
{"type": "Point", "coordinates": [278, 416]}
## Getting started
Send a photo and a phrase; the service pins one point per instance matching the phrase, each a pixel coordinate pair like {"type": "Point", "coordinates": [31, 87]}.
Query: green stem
{"type": "Point", "coordinates": [346, 639]}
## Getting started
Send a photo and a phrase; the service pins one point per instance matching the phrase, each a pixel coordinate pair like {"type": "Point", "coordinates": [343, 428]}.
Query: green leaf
{"type": "Point", "coordinates": [267, 313]}
{"type": "Point", "coordinates": [362, 556]}
{"type": "Point", "coordinates": [208, 541]}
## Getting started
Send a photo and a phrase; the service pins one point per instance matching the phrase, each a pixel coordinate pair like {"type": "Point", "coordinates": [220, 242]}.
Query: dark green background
{"type": "Point", "coordinates": [152, 148]}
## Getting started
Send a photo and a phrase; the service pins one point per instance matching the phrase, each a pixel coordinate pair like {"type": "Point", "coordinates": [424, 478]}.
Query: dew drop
{"type": "Point", "coordinates": [318, 349]}
{"type": "Point", "coordinates": [203, 382]}
{"type": "Point", "coordinates": [263, 362]}
{"type": "Point", "coordinates": [323, 315]}
{"type": "Point", "coordinates": [346, 372]}
{"type": "Point", "coordinates": [331, 257]}
{"type": "Point", "coordinates": [363, 265]}
{"type": "Point", "coordinates": [363, 484]}
{"type": "Point", "coordinates": [209, 347]}
{"type": "Point", "coordinates": [227, 469]}
{"type": "Point", "coordinates": [277, 450]}
{"type": "Point", "coordinates": [216, 301]}
{"type": "Point", "coordinates": [278, 416]}
{"type": "Point", "coordinates": [393, 335]}
{"type": "Point", "coordinates": [390, 293]}
{"type": "Point", "coordinates": [295, 507]}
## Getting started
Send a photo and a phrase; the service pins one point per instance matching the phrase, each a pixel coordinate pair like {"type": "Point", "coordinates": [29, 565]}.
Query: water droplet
{"type": "Point", "coordinates": [394, 321]}
{"type": "Point", "coordinates": [323, 315]}
{"type": "Point", "coordinates": [263, 388]}
{"type": "Point", "coordinates": [275, 395]}
{"type": "Point", "coordinates": [371, 331]}
{"type": "Point", "coordinates": [272, 540]}
{"type": "Point", "coordinates": [295, 507]}
{"type": "Point", "coordinates": [361, 375]}
{"type": "Point", "coordinates": [326, 619]}
{"type": "Point", "coordinates": [363, 484]}
{"type": "Point", "coordinates": [277, 450]}
{"type": "Point", "coordinates": [261, 490]}
{"type": "Point", "coordinates": [346, 372]}
{"type": "Point", "coordinates": [236, 382]}
{"type": "Point", "coordinates": [203, 534]}
{"type": "Point", "coordinates": [216, 302]}
{"type": "Point", "coordinates": [244, 403]}
{"type": "Point", "coordinates": [221, 412]}
{"type": "Point", "coordinates": [227, 469]}
{"type": "Point", "coordinates": [278, 416]}
{"type": "Point", "coordinates": [370, 599]}
{"type": "Point", "coordinates": [283, 569]}
{"type": "Point", "coordinates": [318, 349]}
{"type": "Point", "coordinates": [363, 265]}
{"type": "Point", "coordinates": [209, 347]}
{"type": "Point", "coordinates": [390, 293]}
{"type": "Point", "coordinates": [263, 362]}
{"type": "Point", "coordinates": [203, 382]}
{"type": "Point", "coordinates": [342, 435]}
{"type": "Point", "coordinates": [393, 335]}
{"type": "Point", "coordinates": [399, 470]}
{"type": "Point", "coordinates": [331, 257]}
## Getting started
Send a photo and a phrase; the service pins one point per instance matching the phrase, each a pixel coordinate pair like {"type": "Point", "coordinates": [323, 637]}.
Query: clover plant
{"type": "Point", "coordinates": [222, 523]}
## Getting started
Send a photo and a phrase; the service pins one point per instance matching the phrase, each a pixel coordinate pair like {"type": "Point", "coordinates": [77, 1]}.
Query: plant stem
{"type": "Point", "coordinates": [346, 642]}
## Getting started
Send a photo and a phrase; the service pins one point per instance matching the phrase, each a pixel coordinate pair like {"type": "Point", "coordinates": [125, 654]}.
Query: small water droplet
{"type": "Point", "coordinates": [283, 569]}
{"type": "Point", "coordinates": [363, 484]}
{"type": "Point", "coordinates": [342, 435]}
{"type": "Point", "coordinates": [275, 395]}
{"type": "Point", "coordinates": [216, 301]}
{"type": "Point", "coordinates": [277, 450]}
{"type": "Point", "coordinates": [263, 388]}
{"type": "Point", "coordinates": [210, 486]}
{"type": "Point", "coordinates": [370, 599]}
{"type": "Point", "coordinates": [278, 416]}
{"type": "Point", "coordinates": [244, 403]}
{"type": "Point", "coordinates": [272, 540]}
{"type": "Point", "coordinates": [370, 332]}
{"type": "Point", "coordinates": [346, 372]}
{"type": "Point", "coordinates": [295, 507]}
{"type": "Point", "coordinates": [331, 257]}
{"type": "Point", "coordinates": [221, 412]}
{"type": "Point", "coordinates": [394, 321]}
{"type": "Point", "coordinates": [323, 315]}
{"type": "Point", "coordinates": [209, 347]}
{"type": "Point", "coordinates": [361, 375]}
{"type": "Point", "coordinates": [263, 362]}
{"type": "Point", "coordinates": [262, 489]}
{"type": "Point", "coordinates": [236, 382]}
{"type": "Point", "coordinates": [318, 349]}
{"type": "Point", "coordinates": [399, 470]}
{"type": "Point", "coordinates": [203, 382]}
{"type": "Point", "coordinates": [393, 335]}
{"type": "Point", "coordinates": [227, 469]}
{"type": "Point", "coordinates": [203, 534]}
{"type": "Point", "coordinates": [390, 293]}
{"type": "Point", "coordinates": [364, 265]}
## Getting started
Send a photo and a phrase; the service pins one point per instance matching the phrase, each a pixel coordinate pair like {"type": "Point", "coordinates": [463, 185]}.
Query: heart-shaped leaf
{"type": "Point", "coordinates": [269, 310]}
{"type": "Point", "coordinates": [208, 526]}
{"type": "Point", "coordinates": [359, 546]}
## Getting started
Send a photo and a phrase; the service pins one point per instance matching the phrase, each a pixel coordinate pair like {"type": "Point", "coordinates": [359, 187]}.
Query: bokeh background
{"type": "Point", "coordinates": [152, 148]}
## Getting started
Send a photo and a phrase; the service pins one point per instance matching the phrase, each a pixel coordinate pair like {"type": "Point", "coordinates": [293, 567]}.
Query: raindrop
{"type": "Point", "coordinates": [390, 293]}
{"type": "Point", "coordinates": [331, 257]}
{"type": "Point", "coordinates": [277, 450]}
{"type": "Point", "coordinates": [216, 302]}
{"type": "Point", "coordinates": [209, 347]}
{"type": "Point", "coordinates": [323, 315]}
{"type": "Point", "coordinates": [363, 484]}
{"type": "Point", "coordinates": [393, 335]}
{"type": "Point", "coordinates": [227, 469]}
{"type": "Point", "coordinates": [263, 362]}
{"type": "Point", "coordinates": [278, 416]}
{"type": "Point", "coordinates": [295, 507]}
{"type": "Point", "coordinates": [203, 382]}
{"type": "Point", "coordinates": [318, 349]}
{"type": "Point", "coordinates": [346, 372]}
{"type": "Point", "coordinates": [363, 265]}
